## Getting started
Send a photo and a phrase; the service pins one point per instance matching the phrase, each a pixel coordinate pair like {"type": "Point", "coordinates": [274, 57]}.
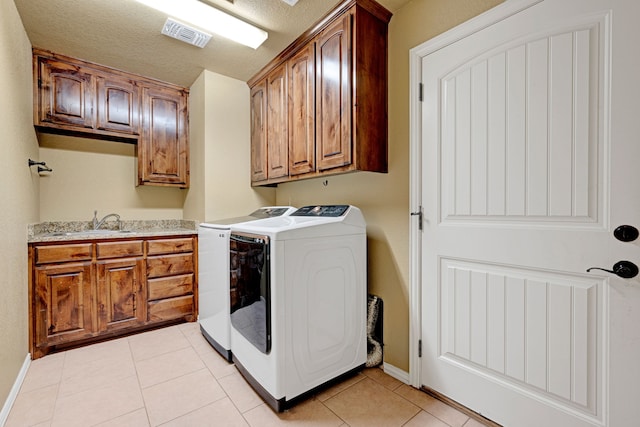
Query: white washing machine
{"type": "Point", "coordinates": [298, 300]}
{"type": "Point", "coordinates": [213, 275]}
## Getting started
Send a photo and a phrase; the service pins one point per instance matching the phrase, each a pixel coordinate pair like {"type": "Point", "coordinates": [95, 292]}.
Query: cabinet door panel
{"type": "Point", "coordinates": [277, 135]}
{"type": "Point", "coordinates": [121, 296]}
{"type": "Point", "coordinates": [65, 95]}
{"type": "Point", "coordinates": [301, 69]}
{"type": "Point", "coordinates": [63, 303]}
{"type": "Point", "coordinates": [333, 95]}
{"type": "Point", "coordinates": [163, 149]}
{"type": "Point", "coordinates": [117, 105]}
{"type": "Point", "coordinates": [258, 132]}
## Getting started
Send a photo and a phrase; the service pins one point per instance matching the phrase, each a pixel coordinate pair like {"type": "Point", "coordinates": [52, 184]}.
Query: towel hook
{"type": "Point", "coordinates": [42, 166]}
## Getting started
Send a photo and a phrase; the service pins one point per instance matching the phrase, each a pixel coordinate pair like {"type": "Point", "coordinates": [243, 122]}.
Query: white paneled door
{"type": "Point", "coordinates": [529, 135]}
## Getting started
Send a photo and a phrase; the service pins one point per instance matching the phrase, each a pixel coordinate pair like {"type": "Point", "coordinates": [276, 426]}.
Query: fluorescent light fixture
{"type": "Point", "coordinates": [290, 2]}
{"type": "Point", "coordinates": [211, 20]}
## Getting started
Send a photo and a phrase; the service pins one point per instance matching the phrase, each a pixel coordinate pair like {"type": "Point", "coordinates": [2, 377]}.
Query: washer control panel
{"type": "Point", "coordinates": [322, 210]}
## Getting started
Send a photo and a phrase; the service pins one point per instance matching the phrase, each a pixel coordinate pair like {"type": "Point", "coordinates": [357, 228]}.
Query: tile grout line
{"type": "Point", "coordinates": [58, 385]}
{"type": "Point", "coordinates": [226, 395]}
{"type": "Point", "coordinates": [421, 409]}
{"type": "Point", "coordinates": [135, 367]}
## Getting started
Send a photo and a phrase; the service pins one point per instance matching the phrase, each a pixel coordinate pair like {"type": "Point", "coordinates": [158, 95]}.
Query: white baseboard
{"type": "Point", "coordinates": [13, 394]}
{"type": "Point", "coordinates": [396, 373]}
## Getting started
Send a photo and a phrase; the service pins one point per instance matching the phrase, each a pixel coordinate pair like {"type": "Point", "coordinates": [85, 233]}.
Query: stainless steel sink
{"type": "Point", "coordinates": [95, 232]}
{"type": "Point", "coordinates": [89, 233]}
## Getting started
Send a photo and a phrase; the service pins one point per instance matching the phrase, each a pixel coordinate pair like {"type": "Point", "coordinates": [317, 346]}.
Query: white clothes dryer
{"type": "Point", "coordinates": [298, 300]}
{"type": "Point", "coordinates": [213, 275]}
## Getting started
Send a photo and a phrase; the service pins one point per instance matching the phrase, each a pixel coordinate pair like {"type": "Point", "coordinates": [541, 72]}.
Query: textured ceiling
{"type": "Point", "coordinates": [125, 34]}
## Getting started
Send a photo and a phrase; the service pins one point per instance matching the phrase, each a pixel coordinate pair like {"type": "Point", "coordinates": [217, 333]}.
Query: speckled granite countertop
{"type": "Point", "coordinates": [60, 231]}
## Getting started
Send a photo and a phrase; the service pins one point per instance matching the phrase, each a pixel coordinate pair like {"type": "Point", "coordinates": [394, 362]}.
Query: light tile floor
{"type": "Point", "coordinates": [172, 377]}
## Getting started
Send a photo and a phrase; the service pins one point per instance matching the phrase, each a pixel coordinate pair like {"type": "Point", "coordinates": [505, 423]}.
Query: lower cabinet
{"type": "Point", "coordinates": [62, 304]}
{"type": "Point", "coordinates": [121, 294]}
{"type": "Point", "coordinates": [87, 291]}
{"type": "Point", "coordinates": [170, 278]}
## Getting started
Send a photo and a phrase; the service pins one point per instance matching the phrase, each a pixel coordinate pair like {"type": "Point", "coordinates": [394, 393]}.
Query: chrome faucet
{"type": "Point", "coordinates": [97, 224]}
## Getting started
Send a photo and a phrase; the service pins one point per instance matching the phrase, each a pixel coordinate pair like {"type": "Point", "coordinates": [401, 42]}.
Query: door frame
{"type": "Point", "coordinates": [416, 55]}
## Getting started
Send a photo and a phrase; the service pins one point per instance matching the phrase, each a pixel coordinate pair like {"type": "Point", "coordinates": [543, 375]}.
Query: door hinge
{"type": "Point", "coordinates": [420, 92]}
{"type": "Point", "coordinates": [419, 215]}
{"type": "Point", "coordinates": [419, 348]}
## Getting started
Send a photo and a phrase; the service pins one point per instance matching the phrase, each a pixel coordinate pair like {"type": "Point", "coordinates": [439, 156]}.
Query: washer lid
{"type": "Point", "coordinates": [292, 226]}
{"type": "Point", "coordinates": [262, 213]}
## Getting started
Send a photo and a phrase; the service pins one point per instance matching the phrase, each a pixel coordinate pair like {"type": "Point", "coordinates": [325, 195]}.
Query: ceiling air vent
{"type": "Point", "coordinates": [185, 33]}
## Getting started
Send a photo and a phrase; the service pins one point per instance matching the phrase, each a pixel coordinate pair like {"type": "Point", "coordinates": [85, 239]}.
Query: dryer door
{"type": "Point", "coordinates": [250, 288]}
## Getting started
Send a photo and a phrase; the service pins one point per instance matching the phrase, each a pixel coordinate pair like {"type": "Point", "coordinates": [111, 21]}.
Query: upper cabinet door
{"type": "Point", "coordinates": [333, 95]}
{"type": "Point", "coordinates": [163, 156]}
{"type": "Point", "coordinates": [118, 101]}
{"type": "Point", "coordinates": [65, 94]}
{"type": "Point", "coordinates": [277, 116]}
{"type": "Point", "coordinates": [301, 69]}
{"type": "Point", "coordinates": [258, 132]}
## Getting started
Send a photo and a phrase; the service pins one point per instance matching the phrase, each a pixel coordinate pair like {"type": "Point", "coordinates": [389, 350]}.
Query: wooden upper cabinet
{"type": "Point", "coordinates": [333, 100]}
{"type": "Point", "coordinates": [301, 72]}
{"type": "Point", "coordinates": [118, 105]}
{"type": "Point", "coordinates": [336, 81]}
{"type": "Point", "coordinates": [369, 129]}
{"type": "Point", "coordinates": [258, 100]}
{"type": "Point", "coordinates": [72, 96]}
{"type": "Point", "coordinates": [269, 134]}
{"type": "Point", "coordinates": [66, 95]}
{"type": "Point", "coordinates": [163, 157]}
{"type": "Point", "coordinates": [277, 117]}
{"type": "Point", "coordinates": [80, 98]}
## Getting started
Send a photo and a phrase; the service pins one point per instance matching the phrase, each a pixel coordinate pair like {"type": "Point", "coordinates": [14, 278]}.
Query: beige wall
{"type": "Point", "coordinates": [220, 151]}
{"type": "Point", "coordinates": [384, 198]}
{"type": "Point", "coordinates": [18, 191]}
{"type": "Point", "coordinates": [99, 175]}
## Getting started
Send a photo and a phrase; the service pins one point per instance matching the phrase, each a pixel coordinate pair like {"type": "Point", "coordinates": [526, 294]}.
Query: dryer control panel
{"type": "Point", "coordinates": [322, 210]}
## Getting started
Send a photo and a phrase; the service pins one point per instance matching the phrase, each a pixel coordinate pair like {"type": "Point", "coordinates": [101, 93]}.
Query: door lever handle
{"type": "Point", "coordinates": [624, 269]}
{"type": "Point", "coordinates": [419, 214]}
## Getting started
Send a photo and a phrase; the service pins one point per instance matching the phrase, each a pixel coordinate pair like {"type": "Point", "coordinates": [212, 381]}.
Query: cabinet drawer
{"type": "Point", "coordinates": [118, 249]}
{"type": "Point", "coordinates": [171, 308]}
{"type": "Point", "coordinates": [169, 265]}
{"type": "Point", "coordinates": [173, 286]}
{"type": "Point", "coordinates": [168, 246]}
{"type": "Point", "coordinates": [63, 253]}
